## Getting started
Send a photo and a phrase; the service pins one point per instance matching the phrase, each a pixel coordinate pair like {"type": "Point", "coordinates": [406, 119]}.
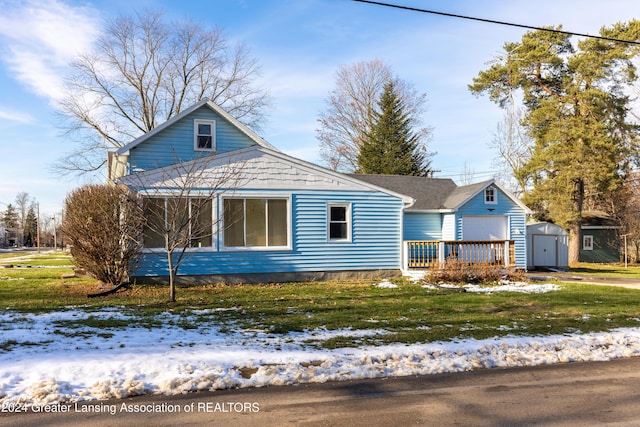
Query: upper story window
{"type": "Point", "coordinates": [339, 221]}
{"type": "Point", "coordinates": [204, 135]}
{"type": "Point", "coordinates": [490, 196]}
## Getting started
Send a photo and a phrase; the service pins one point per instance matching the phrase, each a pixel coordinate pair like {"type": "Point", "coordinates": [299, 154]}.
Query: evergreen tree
{"type": "Point", "coordinates": [31, 228]}
{"type": "Point", "coordinates": [10, 217]}
{"type": "Point", "coordinates": [391, 147]}
{"type": "Point", "coordinates": [577, 115]}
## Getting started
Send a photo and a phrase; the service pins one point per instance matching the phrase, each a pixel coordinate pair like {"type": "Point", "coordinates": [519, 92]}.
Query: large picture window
{"type": "Point", "coordinates": [187, 222]}
{"type": "Point", "coordinates": [256, 222]}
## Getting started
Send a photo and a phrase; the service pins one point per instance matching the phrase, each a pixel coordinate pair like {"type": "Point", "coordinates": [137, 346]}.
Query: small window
{"type": "Point", "coordinates": [205, 135]}
{"type": "Point", "coordinates": [587, 242]}
{"type": "Point", "coordinates": [339, 222]}
{"type": "Point", "coordinates": [490, 196]}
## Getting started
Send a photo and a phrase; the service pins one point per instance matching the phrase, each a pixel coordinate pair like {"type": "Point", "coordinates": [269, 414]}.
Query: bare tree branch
{"type": "Point", "coordinates": [142, 71]}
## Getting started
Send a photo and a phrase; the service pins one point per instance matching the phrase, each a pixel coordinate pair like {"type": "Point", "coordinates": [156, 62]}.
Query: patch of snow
{"type": "Point", "coordinates": [385, 284]}
{"type": "Point", "coordinates": [46, 359]}
{"type": "Point", "coordinates": [522, 287]}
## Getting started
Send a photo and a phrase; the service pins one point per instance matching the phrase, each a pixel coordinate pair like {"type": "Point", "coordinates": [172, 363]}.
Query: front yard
{"type": "Point", "coordinates": [408, 312]}
{"type": "Point", "coordinates": [57, 345]}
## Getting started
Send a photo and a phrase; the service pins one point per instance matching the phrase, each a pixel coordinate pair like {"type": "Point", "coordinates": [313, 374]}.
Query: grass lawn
{"type": "Point", "coordinates": [408, 313]}
{"type": "Point", "coordinates": [632, 271]}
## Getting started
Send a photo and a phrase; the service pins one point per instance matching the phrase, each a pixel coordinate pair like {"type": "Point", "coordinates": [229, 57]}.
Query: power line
{"type": "Point", "coordinates": [493, 21]}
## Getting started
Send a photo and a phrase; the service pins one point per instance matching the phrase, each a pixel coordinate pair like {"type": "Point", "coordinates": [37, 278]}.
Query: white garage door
{"type": "Point", "coordinates": [485, 228]}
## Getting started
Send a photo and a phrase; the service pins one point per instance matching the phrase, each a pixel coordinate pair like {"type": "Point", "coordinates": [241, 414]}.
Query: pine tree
{"type": "Point", "coordinates": [577, 113]}
{"type": "Point", "coordinates": [391, 147]}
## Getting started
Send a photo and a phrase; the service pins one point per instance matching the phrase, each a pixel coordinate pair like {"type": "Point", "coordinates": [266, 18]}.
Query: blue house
{"type": "Point", "coordinates": [274, 217]}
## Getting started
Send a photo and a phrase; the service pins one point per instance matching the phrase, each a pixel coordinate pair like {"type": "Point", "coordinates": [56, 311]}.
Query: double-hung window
{"type": "Point", "coordinates": [339, 221]}
{"type": "Point", "coordinates": [204, 135]}
{"type": "Point", "coordinates": [256, 222]}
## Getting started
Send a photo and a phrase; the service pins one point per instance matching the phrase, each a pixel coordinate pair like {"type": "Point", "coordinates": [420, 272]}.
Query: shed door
{"type": "Point", "coordinates": [485, 228]}
{"type": "Point", "coordinates": [544, 251]}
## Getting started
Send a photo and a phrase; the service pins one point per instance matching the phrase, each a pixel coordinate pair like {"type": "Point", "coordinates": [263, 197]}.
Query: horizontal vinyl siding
{"type": "Point", "coordinates": [175, 143]}
{"type": "Point", "coordinates": [422, 226]}
{"type": "Point", "coordinates": [375, 240]}
{"type": "Point", "coordinates": [505, 206]}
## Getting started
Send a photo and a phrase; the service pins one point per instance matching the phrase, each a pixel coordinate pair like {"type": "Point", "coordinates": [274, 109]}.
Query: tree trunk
{"type": "Point", "coordinates": [172, 274]}
{"type": "Point", "coordinates": [574, 243]}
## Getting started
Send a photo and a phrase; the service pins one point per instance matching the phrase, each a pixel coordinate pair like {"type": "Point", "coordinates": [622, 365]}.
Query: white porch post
{"type": "Point", "coordinates": [440, 253]}
{"type": "Point", "coordinates": [405, 255]}
{"type": "Point", "coordinates": [507, 252]}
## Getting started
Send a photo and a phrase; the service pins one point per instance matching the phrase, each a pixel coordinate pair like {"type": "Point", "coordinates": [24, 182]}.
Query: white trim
{"type": "Point", "coordinates": [287, 197]}
{"type": "Point", "coordinates": [585, 239]}
{"type": "Point", "coordinates": [348, 220]}
{"type": "Point", "coordinates": [196, 134]}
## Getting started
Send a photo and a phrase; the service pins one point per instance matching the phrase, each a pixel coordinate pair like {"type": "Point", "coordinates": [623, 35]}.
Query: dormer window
{"type": "Point", "coordinates": [490, 196]}
{"type": "Point", "coordinates": [204, 135]}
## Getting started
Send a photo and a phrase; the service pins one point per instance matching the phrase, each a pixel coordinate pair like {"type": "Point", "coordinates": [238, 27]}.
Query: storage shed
{"type": "Point", "coordinates": [547, 246]}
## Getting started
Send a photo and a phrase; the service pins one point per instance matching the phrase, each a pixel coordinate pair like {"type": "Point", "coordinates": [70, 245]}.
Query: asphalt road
{"type": "Point", "coordinates": [576, 394]}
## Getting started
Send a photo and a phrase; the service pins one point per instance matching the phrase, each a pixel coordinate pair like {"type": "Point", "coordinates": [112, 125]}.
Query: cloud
{"type": "Point", "coordinates": [39, 39]}
{"type": "Point", "coordinates": [15, 116]}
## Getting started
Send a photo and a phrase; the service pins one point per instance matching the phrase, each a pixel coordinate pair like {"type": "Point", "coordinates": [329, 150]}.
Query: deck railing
{"type": "Point", "coordinates": [435, 254]}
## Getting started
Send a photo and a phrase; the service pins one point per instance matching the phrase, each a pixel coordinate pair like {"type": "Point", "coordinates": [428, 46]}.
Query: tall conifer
{"type": "Point", "coordinates": [391, 147]}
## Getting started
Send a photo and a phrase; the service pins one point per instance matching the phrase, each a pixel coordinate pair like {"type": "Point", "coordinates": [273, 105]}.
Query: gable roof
{"type": "Point", "coordinates": [254, 167]}
{"type": "Point", "coordinates": [434, 194]}
{"type": "Point", "coordinates": [204, 103]}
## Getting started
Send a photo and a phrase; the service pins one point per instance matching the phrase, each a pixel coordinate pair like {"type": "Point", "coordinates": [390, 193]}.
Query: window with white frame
{"type": "Point", "coordinates": [256, 222]}
{"type": "Point", "coordinates": [587, 242]}
{"type": "Point", "coordinates": [185, 221]}
{"type": "Point", "coordinates": [339, 221]}
{"type": "Point", "coordinates": [490, 196]}
{"type": "Point", "coordinates": [204, 135]}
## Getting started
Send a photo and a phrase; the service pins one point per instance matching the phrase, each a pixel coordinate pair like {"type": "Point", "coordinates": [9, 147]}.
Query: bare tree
{"type": "Point", "coordinates": [180, 206]}
{"type": "Point", "coordinates": [349, 115]}
{"type": "Point", "coordinates": [514, 149]}
{"type": "Point", "coordinates": [142, 71]}
{"type": "Point", "coordinates": [103, 225]}
{"type": "Point", "coordinates": [23, 203]}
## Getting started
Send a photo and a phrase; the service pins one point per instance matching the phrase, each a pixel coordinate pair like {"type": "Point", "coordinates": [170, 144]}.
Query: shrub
{"type": "Point", "coordinates": [458, 272]}
{"type": "Point", "coordinates": [103, 224]}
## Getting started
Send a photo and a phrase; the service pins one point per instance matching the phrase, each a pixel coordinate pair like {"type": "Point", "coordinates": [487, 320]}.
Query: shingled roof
{"type": "Point", "coordinates": [429, 193]}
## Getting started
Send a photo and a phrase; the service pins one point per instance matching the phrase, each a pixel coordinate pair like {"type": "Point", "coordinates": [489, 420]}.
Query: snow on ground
{"type": "Point", "coordinates": [53, 357]}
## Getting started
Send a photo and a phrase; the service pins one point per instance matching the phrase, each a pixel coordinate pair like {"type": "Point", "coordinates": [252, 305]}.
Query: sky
{"type": "Point", "coordinates": [300, 44]}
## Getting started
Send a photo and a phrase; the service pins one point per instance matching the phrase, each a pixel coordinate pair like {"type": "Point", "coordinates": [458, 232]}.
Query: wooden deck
{"type": "Point", "coordinates": [436, 253]}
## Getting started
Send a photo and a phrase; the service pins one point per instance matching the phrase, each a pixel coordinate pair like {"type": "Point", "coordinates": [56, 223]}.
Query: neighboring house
{"type": "Point", "coordinates": [281, 218]}
{"type": "Point", "coordinates": [599, 238]}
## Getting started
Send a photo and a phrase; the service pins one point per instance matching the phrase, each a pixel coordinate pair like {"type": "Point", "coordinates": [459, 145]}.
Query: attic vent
{"type": "Point", "coordinates": [204, 135]}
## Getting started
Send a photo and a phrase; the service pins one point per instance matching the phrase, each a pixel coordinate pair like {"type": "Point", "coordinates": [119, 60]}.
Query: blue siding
{"type": "Point", "coordinates": [375, 244]}
{"type": "Point", "coordinates": [422, 226]}
{"type": "Point", "coordinates": [505, 206]}
{"type": "Point", "coordinates": [175, 143]}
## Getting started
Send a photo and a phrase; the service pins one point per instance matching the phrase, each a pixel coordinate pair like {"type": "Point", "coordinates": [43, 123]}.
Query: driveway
{"type": "Point", "coordinates": [587, 279]}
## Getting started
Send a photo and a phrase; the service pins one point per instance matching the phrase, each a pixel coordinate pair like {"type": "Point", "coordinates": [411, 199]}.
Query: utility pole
{"type": "Point", "coordinates": [55, 237]}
